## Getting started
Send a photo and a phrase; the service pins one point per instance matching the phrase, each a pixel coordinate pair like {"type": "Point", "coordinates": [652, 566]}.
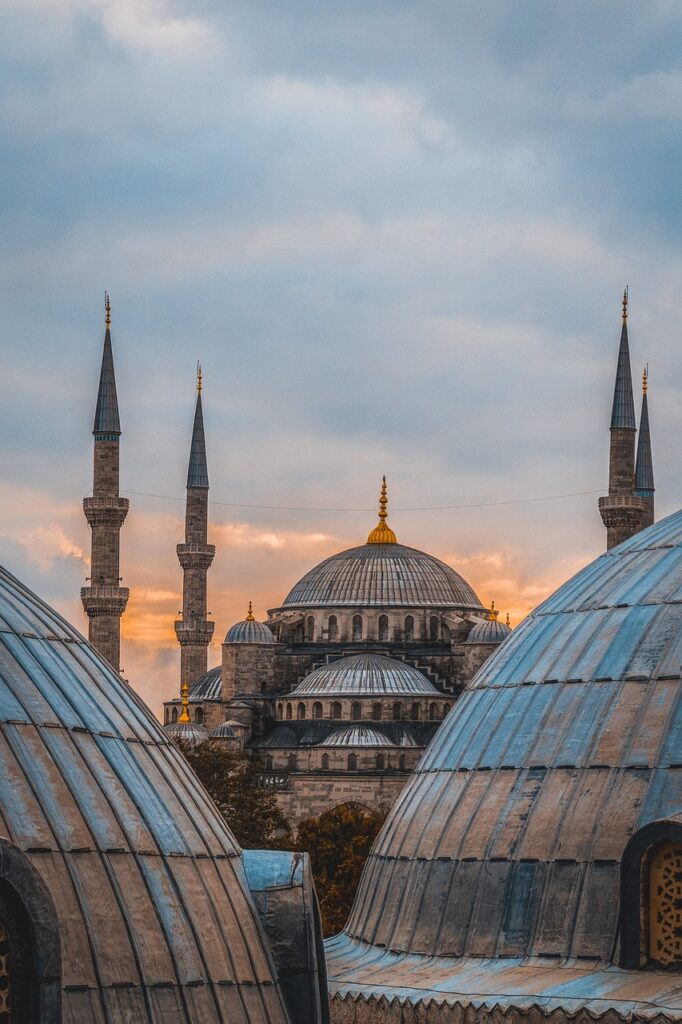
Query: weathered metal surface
{"type": "Point", "coordinates": [152, 911]}
{"type": "Point", "coordinates": [382, 576]}
{"type": "Point", "coordinates": [508, 840]}
{"type": "Point", "coordinates": [364, 675]}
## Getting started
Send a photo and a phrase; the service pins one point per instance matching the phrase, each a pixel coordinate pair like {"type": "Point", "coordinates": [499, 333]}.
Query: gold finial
{"type": "Point", "coordinates": [184, 717]}
{"type": "Point", "coordinates": [382, 532]}
{"type": "Point", "coordinates": [493, 613]}
{"type": "Point", "coordinates": [107, 310]}
{"type": "Point", "coordinates": [625, 304]}
{"type": "Point", "coordinates": [508, 622]}
{"type": "Point", "coordinates": [200, 378]}
{"type": "Point", "coordinates": [250, 617]}
{"type": "Point", "coordinates": [645, 379]}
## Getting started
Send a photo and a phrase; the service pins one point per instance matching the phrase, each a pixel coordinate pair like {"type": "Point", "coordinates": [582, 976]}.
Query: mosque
{"type": "Point", "coordinates": [530, 870]}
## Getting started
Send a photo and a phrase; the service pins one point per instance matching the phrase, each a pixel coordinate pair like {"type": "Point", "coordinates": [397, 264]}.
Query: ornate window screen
{"type": "Point", "coordinates": [665, 894]}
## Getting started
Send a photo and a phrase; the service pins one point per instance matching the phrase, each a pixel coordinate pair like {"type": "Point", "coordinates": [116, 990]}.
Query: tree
{"type": "Point", "coordinates": [231, 780]}
{"type": "Point", "coordinates": [338, 842]}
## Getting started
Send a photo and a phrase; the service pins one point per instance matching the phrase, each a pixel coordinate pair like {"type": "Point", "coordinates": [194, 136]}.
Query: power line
{"type": "Point", "coordinates": [394, 508]}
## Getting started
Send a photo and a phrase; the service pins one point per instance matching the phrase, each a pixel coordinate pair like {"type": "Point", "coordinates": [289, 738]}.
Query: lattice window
{"type": "Point", "coordinates": [5, 979]}
{"type": "Point", "coordinates": [666, 904]}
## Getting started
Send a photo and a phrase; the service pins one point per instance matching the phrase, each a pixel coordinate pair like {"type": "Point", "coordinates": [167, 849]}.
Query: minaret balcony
{"type": "Point", "coordinates": [104, 599]}
{"type": "Point", "coordinates": [106, 511]}
{"type": "Point", "coordinates": [194, 632]}
{"type": "Point", "coordinates": [195, 556]}
{"type": "Point", "coordinates": [622, 511]}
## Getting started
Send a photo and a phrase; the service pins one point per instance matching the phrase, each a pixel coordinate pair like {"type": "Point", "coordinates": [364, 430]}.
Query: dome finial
{"type": "Point", "coordinates": [107, 311]}
{"type": "Point", "coordinates": [625, 304]}
{"type": "Point", "coordinates": [250, 617]}
{"type": "Point", "coordinates": [645, 379]}
{"type": "Point", "coordinates": [508, 622]}
{"type": "Point", "coordinates": [382, 532]}
{"type": "Point", "coordinates": [184, 690]}
{"type": "Point", "coordinates": [493, 613]}
{"type": "Point", "coordinates": [200, 378]}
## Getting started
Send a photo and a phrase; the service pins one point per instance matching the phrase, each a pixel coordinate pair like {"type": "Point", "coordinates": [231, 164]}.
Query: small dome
{"type": "Point", "coordinates": [249, 631]}
{"type": "Point", "coordinates": [190, 733]}
{"type": "Point", "coordinates": [367, 675]}
{"type": "Point", "coordinates": [491, 631]}
{"type": "Point", "coordinates": [357, 736]}
{"type": "Point", "coordinates": [224, 731]}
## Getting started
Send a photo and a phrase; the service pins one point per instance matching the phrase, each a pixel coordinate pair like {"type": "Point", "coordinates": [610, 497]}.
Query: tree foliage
{"type": "Point", "coordinates": [338, 842]}
{"type": "Point", "coordinates": [251, 812]}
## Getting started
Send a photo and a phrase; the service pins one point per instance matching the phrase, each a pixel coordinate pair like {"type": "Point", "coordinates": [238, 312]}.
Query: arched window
{"type": "Point", "coordinates": [336, 709]}
{"type": "Point", "coordinates": [409, 628]}
{"type": "Point", "coordinates": [268, 762]}
{"type": "Point", "coordinates": [380, 762]}
{"type": "Point", "coordinates": [357, 627]}
{"type": "Point", "coordinates": [444, 710]}
{"type": "Point", "coordinates": [317, 709]}
{"type": "Point", "coordinates": [292, 762]}
{"type": "Point", "coordinates": [300, 711]}
{"type": "Point", "coordinates": [376, 712]}
{"type": "Point", "coordinates": [434, 628]}
{"type": "Point", "coordinates": [298, 634]}
{"type": "Point", "coordinates": [401, 763]}
{"type": "Point", "coordinates": [433, 711]}
{"type": "Point", "coordinates": [325, 762]}
{"type": "Point", "coordinates": [333, 628]}
{"type": "Point", "coordinates": [356, 711]}
{"type": "Point", "coordinates": [383, 628]}
{"type": "Point", "coordinates": [289, 712]}
{"type": "Point", "coordinates": [280, 709]}
{"type": "Point", "coordinates": [199, 716]}
{"type": "Point", "coordinates": [310, 629]}
{"type": "Point", "coordinates": [174, 715]}
{"type": "Point", "coordinates": [416, 712]}
{"type": "Point", "coordinates": [397, 711]}
{"type": "Point", "coordinates": [651, 897]}
{"type": "Point", "coordinates": [352, 763]}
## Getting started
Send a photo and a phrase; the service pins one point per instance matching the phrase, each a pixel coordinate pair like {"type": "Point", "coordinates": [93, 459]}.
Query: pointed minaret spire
{"type": "Point", "coordinates": [622, 510]}
{"type": "Point", "coordinates": [194, 630]}
{"type": "Point", "coordinates": [644, 466]}
{"type": "Point", "coordinates": [105, 600]}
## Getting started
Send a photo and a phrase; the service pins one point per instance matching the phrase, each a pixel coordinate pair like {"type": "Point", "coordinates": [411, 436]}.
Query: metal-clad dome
{"type": "Point", "coordinates": [365, 675]}
{"type": "Point", "coordinates": [224, 731]}
{"type": "Point", "coordinates": [489, 632]}
{"type": "Point", "coordinates": [190, 733]}
{"type": "Point", "coordinates": [112, 841]}
{"type": "Point", "coordinates": [357, 736]}
{"type": "Point", "coordinates": [382, 576]}
{"type": "Point", "coordinates": [508, 840]}
{"type": "Point", "coordinates": [249, 631]}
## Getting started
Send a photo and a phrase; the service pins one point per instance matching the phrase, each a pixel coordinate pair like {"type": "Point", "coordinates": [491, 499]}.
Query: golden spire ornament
{"type": "Point", "coordinates": [508, 622]}
{"type": "Point", "coordinates": [382, 532]}
{"type": "Point", "coordinates": [625, 304]}
{"type": "Point", "coordinates": [250, 617]}
{"type": "Point", "coordinates": [184, 717]}
{"type": "Point", "coordinates": [645, 379]}
{"type": "Point", "coordinates": [107, 311]}
{"type": "Point", "coordinates": [200, 378]}
{"type": "Point", "coordinates": [493, 613]}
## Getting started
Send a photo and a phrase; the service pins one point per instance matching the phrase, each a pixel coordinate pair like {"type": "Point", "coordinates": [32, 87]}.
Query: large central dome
{"type": "Point", "coordinates": [382, 575]}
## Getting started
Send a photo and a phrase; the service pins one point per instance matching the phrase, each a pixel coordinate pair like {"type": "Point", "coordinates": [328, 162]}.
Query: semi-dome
{"type": "Point", "coordinates": [531, 824]}
{"type": "Point", "coordinates": [122, 885]}
{"type": "Point", "coordinates": [357, 736]}
{"type": "Point", "coordinates": [490, 631]}
{"type": "Point", "coordinates": [365, 675]}
{"type": "Point", "coordinates": [224, 731]}
{"type": "Point", "coordinates": [249, 631]}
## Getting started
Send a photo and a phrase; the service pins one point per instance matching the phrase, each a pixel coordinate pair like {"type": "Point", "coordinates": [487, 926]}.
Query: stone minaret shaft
{"type": "Point", "coordinates": [622, 511]}
{"type": "Point", "coordinates": [194, 630]}
{"type": "Point", "coordinates": [105, 600]}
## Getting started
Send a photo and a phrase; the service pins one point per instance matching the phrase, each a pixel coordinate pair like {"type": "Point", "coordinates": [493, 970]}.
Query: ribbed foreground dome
{"type": "Point", "coordinates": [130, 880]}
{"type": "Point", "coordinates": [383, 576]}
{"type": "Point", "coordinates": [535, 806]}
{"type": "Point", "coordinates": [365, 675]}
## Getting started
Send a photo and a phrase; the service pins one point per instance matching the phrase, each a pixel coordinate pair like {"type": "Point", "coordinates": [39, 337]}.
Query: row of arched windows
{"type": "Point", "coordinates": [380, 762]}
{"type": "Point", "coordinates": [172, 716]}
{"type": "Point", "coordinates": [436, 631]}
{"type": "Point", "coordinates": [410, 712]}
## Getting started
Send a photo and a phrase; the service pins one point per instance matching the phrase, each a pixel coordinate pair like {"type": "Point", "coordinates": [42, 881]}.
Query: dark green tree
{"type": "Point", "coordinates": [231, 779]}
{"type": "Point", "coordinates": [338, 842]}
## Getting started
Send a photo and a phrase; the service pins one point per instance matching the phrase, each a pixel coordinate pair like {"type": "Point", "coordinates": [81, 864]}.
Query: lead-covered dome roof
{"type": "Point", "coordinates": [509, 837]}
{"type": "Point", "coordinates": [144, 875]}
{"type": "Point", "coordinates": [365, 675]}
{"type": "Point", "coordinates": [249, 631]}
{"type": "Point", "coordinates": [357, 736]}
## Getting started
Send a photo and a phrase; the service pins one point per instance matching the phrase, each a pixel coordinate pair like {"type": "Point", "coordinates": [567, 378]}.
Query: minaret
{"type": "Point", "coordinates": [644, 466]}
{"type": "Point", "coordinates": [193, 630]}
{"type": "Point", "coordinates": [622, 510]}
{"type": "Point", "coordinates": [105, 600]}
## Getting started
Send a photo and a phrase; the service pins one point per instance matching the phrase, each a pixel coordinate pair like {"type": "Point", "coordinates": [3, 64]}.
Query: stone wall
{"type": "Point", "coordinates": [248, 668]}
{"type": "Point", "coordinates": [311, 794]}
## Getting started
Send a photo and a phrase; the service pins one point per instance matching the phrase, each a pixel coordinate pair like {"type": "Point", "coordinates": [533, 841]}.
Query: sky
{"type": "Point", "coordinates": [396, 235]}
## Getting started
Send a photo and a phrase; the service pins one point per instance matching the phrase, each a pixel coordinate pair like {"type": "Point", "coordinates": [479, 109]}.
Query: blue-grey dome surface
{"type": "Point", "coordinates": [190, 733]}
{"type": "Point", "coordinates": [489, 632]}
{"type": "Point", "coordinates": [249, 631]}
{"type": "Point", "coordinates": [224, 731]}
{"type": "Point", "coordinates": [145, 877]}
{"type": "Point", "coordinates": [365, 675]}
{"type": "Point", "coordinates": [508, 839]}
{"type": "Point", "coordinates": [357, 736]}
{"type": "Point", "coordinates": [382, 576]}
